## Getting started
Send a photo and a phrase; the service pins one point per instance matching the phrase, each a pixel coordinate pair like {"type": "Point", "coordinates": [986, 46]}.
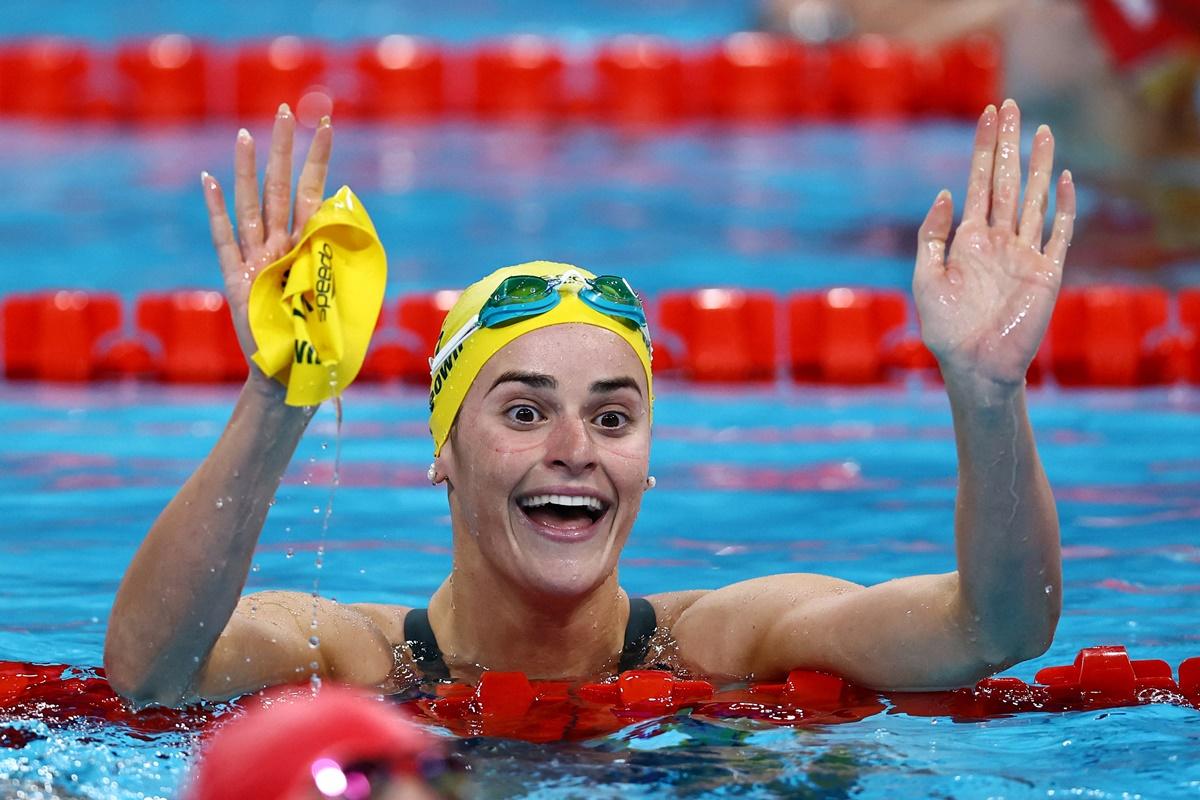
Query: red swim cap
{"type": "Point", "coordinates": [268, 752]}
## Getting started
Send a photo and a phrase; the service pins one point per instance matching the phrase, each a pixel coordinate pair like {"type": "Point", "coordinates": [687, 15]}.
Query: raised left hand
{"type": "Point", "coordinates": [984, 306]}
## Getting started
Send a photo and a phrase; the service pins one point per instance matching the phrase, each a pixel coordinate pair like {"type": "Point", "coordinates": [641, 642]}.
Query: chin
{"type": "Point", "coordinates": [564, 580]}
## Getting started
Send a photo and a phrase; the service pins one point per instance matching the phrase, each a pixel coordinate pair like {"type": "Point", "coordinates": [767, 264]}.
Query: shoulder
{"type": "Point", "coordinates": [720, 631]}
{"type": "Point", "coordinates": [389, 619]}
{"type": "Point", "coordinates": [669, 606]}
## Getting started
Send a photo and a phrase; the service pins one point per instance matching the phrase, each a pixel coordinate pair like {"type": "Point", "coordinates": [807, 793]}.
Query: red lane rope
{"type": "Point", "coordinates": [1098, 336]}
{"type": "Point", "coordinates": [627, 80]}
{"type": "Point", "coordinates": [509, 705]}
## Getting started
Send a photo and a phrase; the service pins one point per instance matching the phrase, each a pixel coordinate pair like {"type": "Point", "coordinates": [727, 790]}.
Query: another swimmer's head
{"type": "Point", "coordinates": [290, 745]}
{"type": "Point", "coordinates": [541, 403]}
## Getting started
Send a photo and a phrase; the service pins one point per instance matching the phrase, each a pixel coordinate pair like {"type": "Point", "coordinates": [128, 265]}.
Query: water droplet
{"type": "Point", "coordinates": [314, 641]}
{"type": "Point", "coordinates": [1049, 588]}
{"type": "Point", "coordinates": [291, 551]}
{"type": "Point", "coordinates": [315, 681]}
{"type": "Point", "coordinates": [313, 665]}
{"type": "Point", "coordinates": [316, 509]}
{"type": "Point", "coordinates": [255, 567]}
{"type": "Point", "coordinates": [220, 502]}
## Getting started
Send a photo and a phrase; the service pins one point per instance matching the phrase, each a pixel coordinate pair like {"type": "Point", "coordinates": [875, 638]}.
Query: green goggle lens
{"type": "Point", "coordinates": [520, 289]}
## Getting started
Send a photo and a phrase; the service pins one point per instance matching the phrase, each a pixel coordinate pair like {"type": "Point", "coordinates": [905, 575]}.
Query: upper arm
{"type": "Point", "coordinates": [271, 640]}
{"type": "Point", "coordinates": [908, 633]}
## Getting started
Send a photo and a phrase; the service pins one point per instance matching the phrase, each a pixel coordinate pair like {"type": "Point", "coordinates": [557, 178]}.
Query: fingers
{"type": "Point", "coordinates": [1041, 167]}
{"type": "Point", "coordinates": [229, 255]}
{"type": "Point", "coordinates": [245, 196]}
{"type": "Point", "coordinates": [277, 182]}
{"type": "Point", "coordinates": [1064, 219]}
{"type": "Point", "coordinates": [1006, 179]}
{"type": "Point", "coordinates": [931, 238]}
{"type": "Point", "coordinates": [310, 189]}
{"type": "Point", "coordinates": [979, 186]}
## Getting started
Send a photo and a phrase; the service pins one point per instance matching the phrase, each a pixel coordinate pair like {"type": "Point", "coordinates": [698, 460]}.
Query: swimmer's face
{"type": "Point", "coordinates": [548, 460]}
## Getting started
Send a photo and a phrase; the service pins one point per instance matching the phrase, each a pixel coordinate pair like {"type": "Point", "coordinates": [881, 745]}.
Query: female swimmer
{"type": "Point", "coordinates": [542, 438]}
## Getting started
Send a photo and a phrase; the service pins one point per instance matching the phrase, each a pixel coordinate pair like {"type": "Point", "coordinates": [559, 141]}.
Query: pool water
{"type": "Point", "coordinates": [858, 484]}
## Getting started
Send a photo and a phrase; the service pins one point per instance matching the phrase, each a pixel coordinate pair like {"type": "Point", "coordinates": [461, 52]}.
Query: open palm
{"type": "Point", "coordinates": [266, 229]}
{"type": "Point", "coordinates": [984, 305]}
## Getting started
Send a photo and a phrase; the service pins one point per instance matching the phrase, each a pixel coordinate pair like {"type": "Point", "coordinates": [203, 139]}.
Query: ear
{"type": "Point", "coordinates": [445, 464]}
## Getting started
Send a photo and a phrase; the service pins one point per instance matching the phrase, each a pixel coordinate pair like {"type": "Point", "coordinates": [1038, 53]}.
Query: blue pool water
{"type": "Point", "coordinates": [858, 484]}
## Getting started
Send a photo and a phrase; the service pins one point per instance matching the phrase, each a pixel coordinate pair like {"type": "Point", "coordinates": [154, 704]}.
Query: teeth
{"type": "Point", "coordinates": [591, 503]}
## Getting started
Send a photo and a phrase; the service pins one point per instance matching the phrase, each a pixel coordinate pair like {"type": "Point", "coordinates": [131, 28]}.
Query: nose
{"type": "Point", "coordinates": [570, 447]}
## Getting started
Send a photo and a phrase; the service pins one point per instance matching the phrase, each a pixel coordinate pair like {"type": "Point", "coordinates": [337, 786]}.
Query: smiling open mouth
{"type": "Point", "coordinates": [563, 512]}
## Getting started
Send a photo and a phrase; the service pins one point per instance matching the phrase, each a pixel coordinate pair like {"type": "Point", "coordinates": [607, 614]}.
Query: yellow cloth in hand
{"type": "Point", "coordinates": [313, 311]}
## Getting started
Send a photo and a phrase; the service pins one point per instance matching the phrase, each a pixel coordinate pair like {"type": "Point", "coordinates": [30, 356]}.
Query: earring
{"type": "Point", "coordinates": [432, 474]}
{"type": "Point", "coordinates": [650, 482]}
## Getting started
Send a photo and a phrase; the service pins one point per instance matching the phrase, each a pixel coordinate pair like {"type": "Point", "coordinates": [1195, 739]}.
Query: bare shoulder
{"type": "Point", "coordinates": [276, 637]}
{"type": "Point", "coordinates": [669, 606]}
{"type": "Point", "coordinates": [719, 632]}
{"type": "Point", "coordinates": [388, 618]}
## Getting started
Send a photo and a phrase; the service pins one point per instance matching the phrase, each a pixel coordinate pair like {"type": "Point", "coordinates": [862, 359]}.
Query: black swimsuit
{"type": "Point", "coordinates": [418, 633]}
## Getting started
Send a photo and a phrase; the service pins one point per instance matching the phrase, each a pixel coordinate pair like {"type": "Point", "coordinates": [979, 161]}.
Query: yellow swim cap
{"type": "Point", "coordinates": [449, 385]}
{"type": "Point", "coordinates": [313, 311]}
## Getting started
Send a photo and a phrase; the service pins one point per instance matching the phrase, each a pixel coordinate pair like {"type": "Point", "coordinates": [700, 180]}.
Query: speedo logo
{"type": "Point", "coordinates": [325, 291]}
{"type": "Point", "coordinates": [439, 379]}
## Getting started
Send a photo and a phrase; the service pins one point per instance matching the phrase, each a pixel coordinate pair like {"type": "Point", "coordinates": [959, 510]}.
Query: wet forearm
{"type": "Point", "coordinates": [185, 579]}
{"type": "Point", "coordinates": [1006, 523]}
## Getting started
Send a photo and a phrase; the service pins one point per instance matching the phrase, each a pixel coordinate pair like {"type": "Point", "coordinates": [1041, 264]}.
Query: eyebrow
{"type": "Point", "coordinates": [615, 384]}
{"type": "Point", "coordinates": [534, 380]}
{"type": "Point", "coordinates": [538, 380]}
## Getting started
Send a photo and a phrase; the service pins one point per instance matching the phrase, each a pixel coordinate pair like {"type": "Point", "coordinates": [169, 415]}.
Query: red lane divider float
{"type": "Point", "coordinates": [285, 69]}
{"type": "Point", "coordinates": [640, 81]}
{"type": "Point", "coordinates": [744, 77]}
{"type": "Point", "coordinates": [401, 78]}
{"type": "Point", "coordinates": [725, 334]}
{"type": "Point", "coordinates": [58, 693]}
{"type": "Point", "coordinates": [1099, 336]}
{"type": "Point", "coordinates": [1112, 336]}
{"type": "Point", "coordinates": [44, 78]}
{"type": "Point", "coordinates": [165, 79]}
{"type": "Point", "coordinates": [509, 705]}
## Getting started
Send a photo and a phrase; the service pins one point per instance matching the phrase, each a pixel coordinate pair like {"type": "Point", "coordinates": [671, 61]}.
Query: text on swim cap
{"type": "Point", "coordinates": [439, 379]}
{"type": "Point", "coordinates": [325, 290]}
{"type": "Point", "coordinates": [305, 353]}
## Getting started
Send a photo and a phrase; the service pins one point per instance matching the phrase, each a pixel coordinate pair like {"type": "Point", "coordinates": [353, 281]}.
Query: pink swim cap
{"type": "Point", "coordinates": [269, 752]}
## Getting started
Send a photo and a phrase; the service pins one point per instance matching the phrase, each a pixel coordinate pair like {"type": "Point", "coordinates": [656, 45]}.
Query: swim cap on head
{"type": "Point", "coordinates": [272, 752]}
{"type": "Point", "coordinates": [450, 384]}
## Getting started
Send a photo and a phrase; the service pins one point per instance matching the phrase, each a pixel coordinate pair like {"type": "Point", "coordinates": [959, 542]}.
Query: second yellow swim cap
{"type": "Point", "coordinates": [451, 382]}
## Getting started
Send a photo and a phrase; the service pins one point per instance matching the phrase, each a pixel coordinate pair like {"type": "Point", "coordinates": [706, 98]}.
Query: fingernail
{"type": "Point", "coordinates": [325, 122]}
{"type": "Point", "coordinates": [283, 110]}
{"type": "Point", "coordinates": [944, 194]}
{"type": "Point", "coordinates": [204, 176]}
{"type": "Point", "coordinates": [991, 109]}
{"type": "Point", "coordinates": [1043, 129]}
{"type": "Point", "coordinates": [1067, 176]}
{"type": "Point", "coordinates": [1008, 102]}
{"type": "Point", "coordinates": [243, 135]}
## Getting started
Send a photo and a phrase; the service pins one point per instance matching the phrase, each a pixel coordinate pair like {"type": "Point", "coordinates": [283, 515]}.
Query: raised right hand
{"type": "Point", "coordinates": [266, 229]}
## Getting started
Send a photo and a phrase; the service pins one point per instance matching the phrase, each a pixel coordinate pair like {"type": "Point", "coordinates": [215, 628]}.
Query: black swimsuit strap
{"type": "Point", "coordinates": [638, 632]}
{"type": "Point", "coordinates": [418, 633]}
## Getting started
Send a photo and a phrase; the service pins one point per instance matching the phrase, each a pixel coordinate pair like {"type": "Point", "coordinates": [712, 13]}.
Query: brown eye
{"type": "Point", "coordinates": [611, 420]}
{"type": "Point", "coordinates": [526, 415]}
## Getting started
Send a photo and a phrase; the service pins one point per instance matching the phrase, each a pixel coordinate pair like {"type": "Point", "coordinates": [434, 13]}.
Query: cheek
{"type": "Point", "coordinates": [631, 451]}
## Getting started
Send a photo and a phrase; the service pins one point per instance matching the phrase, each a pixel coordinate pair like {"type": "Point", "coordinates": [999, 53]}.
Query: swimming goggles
{"type": "Point", "coordinates": [443, 776]}
{"type": "Point", "coordinates": [522, 296]}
